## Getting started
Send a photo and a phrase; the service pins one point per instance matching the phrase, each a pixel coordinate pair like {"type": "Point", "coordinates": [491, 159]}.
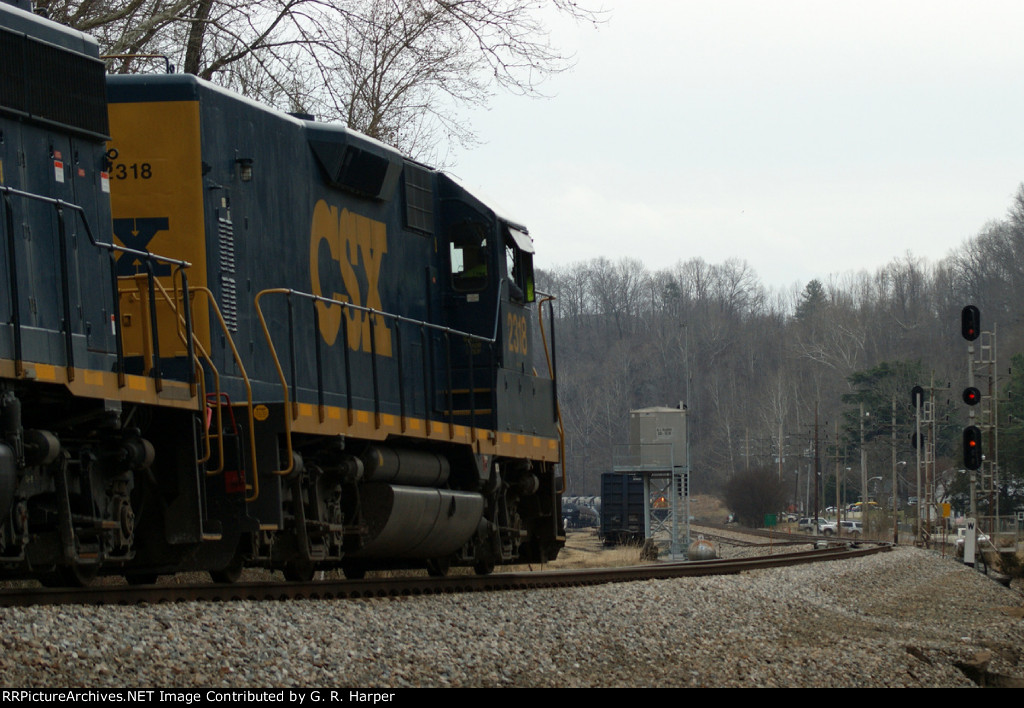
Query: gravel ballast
{"type": "Point", "coordinates": [903, 618]}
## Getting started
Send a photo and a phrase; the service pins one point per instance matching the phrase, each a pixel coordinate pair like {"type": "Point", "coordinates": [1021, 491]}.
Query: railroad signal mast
{"type": "Point", "coordinates": [923, 439]}
{"type": "Point", "coordinates": [983, 405]}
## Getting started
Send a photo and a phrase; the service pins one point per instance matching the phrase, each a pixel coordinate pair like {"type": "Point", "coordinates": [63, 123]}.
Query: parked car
{"type": "Point", "coordinates": [807, 524]}
{"type": "Point", "coordinates": [848, 528]}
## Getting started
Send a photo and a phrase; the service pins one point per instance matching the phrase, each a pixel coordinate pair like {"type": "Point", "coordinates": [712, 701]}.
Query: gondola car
{"type": "Point", "coordinates": [234, 337]}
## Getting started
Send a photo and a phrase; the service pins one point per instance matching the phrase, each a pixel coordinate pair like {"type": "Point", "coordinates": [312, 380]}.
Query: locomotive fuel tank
{"type": "Point", "coordinates": [417, 522]}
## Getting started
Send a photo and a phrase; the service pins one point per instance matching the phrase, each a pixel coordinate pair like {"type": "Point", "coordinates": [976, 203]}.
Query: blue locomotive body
{"type": "Point", "coordinates": [276, 343]}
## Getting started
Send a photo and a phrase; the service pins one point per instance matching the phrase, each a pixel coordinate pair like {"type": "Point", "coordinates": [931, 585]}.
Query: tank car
{"type": "Point", "coordinates": [235, 337]}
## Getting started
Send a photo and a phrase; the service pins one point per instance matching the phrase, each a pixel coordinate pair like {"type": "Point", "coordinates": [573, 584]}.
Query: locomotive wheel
{"type": "Point", "coordinates": [141, 579]}
{"type": "Point", "coordinates": [438, 567]}
{"type": "Point", "coordinates": [299, 571]}
{"type": "Point", "coordinates": [353, 572]}
{"type": "Point", "coordinates": [73, 576]}
{"type": "Point", "coordinates": [483, 567]}
{"type": "Point", "coordinates": [229, 573]}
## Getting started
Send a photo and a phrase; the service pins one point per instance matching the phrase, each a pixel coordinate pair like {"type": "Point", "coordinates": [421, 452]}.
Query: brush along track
{"type": "Point", "coordinates": [411, 586]}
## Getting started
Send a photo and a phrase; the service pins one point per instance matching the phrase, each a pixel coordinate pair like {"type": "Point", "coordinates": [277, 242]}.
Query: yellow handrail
{"type": "Point", "coordinates": [248, 388]}
{"type": "Point", "coordinates": [551, 375]}
{"type": "Point", "coordinates": [280, 374]}
{"type": "Point", "coordinates": [212, 303]}
{"type": "Point", "coordinates": [200, 374]}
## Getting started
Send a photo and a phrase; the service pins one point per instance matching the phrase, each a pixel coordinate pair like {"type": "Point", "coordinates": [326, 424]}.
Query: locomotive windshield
{"type": "Point", "coordinates": [519, 265]}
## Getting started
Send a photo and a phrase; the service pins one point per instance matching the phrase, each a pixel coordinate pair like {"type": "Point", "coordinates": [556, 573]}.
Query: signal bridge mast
{"type": "Point", "coordinates": [924, 438]}
{"type": "Point", "coordinates": [926, 462]}
{"type": "Point", "coordinates": [983, 413]}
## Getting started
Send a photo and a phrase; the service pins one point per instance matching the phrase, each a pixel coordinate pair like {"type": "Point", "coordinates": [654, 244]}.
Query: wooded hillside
{"type": "Point", "coordinates": [760, 360]}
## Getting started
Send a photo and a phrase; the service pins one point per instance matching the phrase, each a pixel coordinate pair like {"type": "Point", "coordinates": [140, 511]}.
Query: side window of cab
{"type": "Point", "coordinates": [468, 252]}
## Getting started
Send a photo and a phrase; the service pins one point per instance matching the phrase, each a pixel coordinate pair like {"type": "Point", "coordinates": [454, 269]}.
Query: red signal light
{"type": "Point", "coordinates": [972, 447]}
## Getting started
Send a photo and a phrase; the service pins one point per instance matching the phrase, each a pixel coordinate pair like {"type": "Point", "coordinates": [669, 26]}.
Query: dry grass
{"type": "Point", "coordinates": [583, 549]}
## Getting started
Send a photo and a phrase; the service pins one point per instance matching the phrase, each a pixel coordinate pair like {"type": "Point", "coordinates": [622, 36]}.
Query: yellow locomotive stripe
{"type": "Point", "coordinates": [90, 383]}
{"type": "Point", "coordinates": [484, 441]}
{"type": "Point", "coordinates": [175, 394]}
{"type": "Point", "coordinates": [45, 372]}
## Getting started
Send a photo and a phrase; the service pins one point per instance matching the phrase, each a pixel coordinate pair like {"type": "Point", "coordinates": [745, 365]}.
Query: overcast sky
{"type": "Point", "coordinates": [806, 137]}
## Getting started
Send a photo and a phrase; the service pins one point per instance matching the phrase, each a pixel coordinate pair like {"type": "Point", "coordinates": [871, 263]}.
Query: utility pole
{"type": "Point", "coordinates": [863, 473]}
{"type": "Point", "coordinates": [919, 401]}
{"type": "Point", "coordinates": [839, 526]}
{"type": "Point", "coordinates": [780, 449]}
{"type": "Point", "coordinates": [895, 518]}
{"type": "Point", "coordinates": [817, 466]}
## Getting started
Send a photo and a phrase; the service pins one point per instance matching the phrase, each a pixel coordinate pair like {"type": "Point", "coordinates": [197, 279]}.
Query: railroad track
{"type": "Point", "coordinates": [776, 536]}
{"type": "Point", "coordinates": [412, 586]}
{"type": "Point", "coordinates": [729, 536]}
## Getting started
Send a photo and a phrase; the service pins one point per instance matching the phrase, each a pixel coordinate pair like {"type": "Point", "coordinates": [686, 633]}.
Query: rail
{"type": "Point", "coordinates": [409, 586]}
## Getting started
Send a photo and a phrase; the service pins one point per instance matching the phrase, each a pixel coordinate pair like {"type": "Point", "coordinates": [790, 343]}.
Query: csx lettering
{"type": "Point", "coordinates": [357, 244]}
{"type": "Point", "coordinates": [516, 326]}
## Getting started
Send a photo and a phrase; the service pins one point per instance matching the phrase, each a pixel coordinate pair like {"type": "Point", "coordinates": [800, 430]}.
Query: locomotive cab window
{"type": "Point", "coordinates": [469, 256]}
{"type": "Point", "coordinates": [519, 265]}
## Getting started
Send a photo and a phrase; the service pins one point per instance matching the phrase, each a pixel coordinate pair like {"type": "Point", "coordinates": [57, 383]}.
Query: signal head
{"type": "Point", "coordinates": [917, 396]}
{"type": "Point", "coordinates": [915, 443]}
{"type": "Point", "coordinates": [972, 447]}
{"type": "Point", "coordinates": [971, 396]}
{"type": "Point", "coordinates": [970, 323]}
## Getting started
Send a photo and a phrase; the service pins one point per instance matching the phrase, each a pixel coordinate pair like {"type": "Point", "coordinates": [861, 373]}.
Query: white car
{"type": "Point", "coordinates": [849, 528]}
{"type": "Point", "coordinates": [807, 524]}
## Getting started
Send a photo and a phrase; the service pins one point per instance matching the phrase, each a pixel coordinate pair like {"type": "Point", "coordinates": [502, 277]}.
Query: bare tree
{"type": "Point", "coordinates": [397, 70]}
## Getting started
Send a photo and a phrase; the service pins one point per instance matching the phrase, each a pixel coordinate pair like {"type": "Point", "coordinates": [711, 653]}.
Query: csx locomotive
{"type": "Point", "coordinates": [232, 337]}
